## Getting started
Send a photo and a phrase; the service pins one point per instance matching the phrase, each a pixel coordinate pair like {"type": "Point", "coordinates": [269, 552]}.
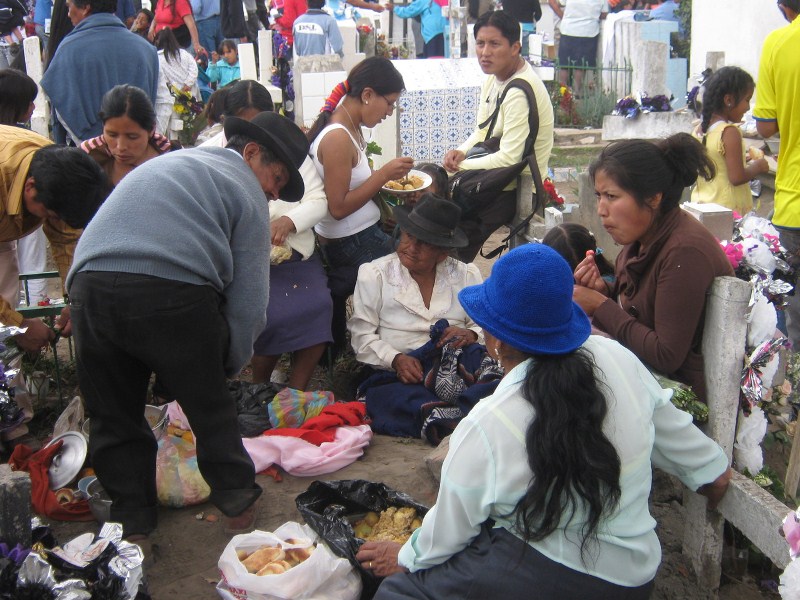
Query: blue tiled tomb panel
{"type": "Point", "coordinates": [421, 120]}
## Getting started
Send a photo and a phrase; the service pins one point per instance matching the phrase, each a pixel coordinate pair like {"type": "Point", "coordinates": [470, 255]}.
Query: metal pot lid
{"type": "Point", "coordinates": [69, 461]}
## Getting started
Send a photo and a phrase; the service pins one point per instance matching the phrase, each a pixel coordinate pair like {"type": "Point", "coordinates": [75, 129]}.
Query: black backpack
{"type": "Point", "coordinates": [473, 188]}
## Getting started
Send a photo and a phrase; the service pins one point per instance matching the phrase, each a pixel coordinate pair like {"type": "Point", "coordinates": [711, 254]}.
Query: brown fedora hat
{"type": "Point", "coordinates": [281, 136]}
{"type": "Point", "coordinates": [433, 220]}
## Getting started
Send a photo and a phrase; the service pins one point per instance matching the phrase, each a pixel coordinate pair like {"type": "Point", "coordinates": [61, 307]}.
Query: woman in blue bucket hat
{"type": "Point", "coordinates": [545, 486]}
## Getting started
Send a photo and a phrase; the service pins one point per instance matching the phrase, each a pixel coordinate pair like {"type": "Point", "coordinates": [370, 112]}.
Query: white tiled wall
{"type": "Point", "coordinates": [316, 87]}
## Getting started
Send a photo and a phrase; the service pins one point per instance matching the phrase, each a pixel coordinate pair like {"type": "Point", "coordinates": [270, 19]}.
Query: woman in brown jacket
{"type": "Point", "coordinates": [669, 260]}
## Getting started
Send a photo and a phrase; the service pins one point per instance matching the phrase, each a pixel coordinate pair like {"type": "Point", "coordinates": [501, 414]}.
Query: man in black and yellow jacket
{"type": "Point", "coordinates": [41, 185]}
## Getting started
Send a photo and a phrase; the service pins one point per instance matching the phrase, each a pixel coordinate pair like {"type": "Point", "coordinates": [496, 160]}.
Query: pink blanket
{"type": "Point", "coordinates": [296, 456]}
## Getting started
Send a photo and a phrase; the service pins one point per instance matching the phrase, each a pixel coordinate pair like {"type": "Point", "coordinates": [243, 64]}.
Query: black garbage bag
{"type": "Point", "coordinates": [327, 505]}
{"type": "Point", "coordinates": [251, 405]}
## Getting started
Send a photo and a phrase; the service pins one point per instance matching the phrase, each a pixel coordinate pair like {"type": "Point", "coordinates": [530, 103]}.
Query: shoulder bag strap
{"type": "Point", "coordinates": [530, 156]}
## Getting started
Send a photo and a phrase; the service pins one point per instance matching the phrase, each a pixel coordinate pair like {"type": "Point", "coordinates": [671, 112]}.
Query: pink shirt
{"type": "Point", "coordinates": [164, 16]}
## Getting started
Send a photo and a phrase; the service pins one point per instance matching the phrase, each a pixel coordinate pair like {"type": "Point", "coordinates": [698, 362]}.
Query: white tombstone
{"type": "Point", "coordinates": [33, 64]}
{"type": "Point", "coordinates": [717, 219]}
{"type": "Point", "coordinates": [265, 65]}
{"type": "Point", "coordinates": [247, 61]}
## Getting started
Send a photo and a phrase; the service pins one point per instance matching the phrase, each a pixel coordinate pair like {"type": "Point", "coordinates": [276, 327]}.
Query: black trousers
{"type": "Point", "coordinates": [127, 327]}
{"type": "Point", "coordinates": [497, 564]}
{"type": "Point", "coordinates": [489, 219]}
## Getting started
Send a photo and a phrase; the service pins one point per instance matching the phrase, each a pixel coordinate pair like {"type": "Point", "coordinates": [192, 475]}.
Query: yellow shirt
{"type": "Point", "coordinates": [720, 190]}
{"type": "Point", "coordinates": [512, 124]}
{"type": "Point", "coordinates": [778, 99]}
{"type": "Point", "coordinates": [17, 147]}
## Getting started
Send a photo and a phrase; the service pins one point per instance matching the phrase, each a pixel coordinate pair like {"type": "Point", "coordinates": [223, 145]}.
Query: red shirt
{"type": "Point", "coordinates": [291, 10]}
{"type": "Point", "coordinates": [164, 16]}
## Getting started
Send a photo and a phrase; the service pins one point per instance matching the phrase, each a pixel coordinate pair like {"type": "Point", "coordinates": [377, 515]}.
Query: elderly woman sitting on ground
{"type": "Point", "coordinates": [409, 327]}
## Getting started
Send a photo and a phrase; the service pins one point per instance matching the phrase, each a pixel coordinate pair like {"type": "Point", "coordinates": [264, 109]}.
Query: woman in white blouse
{"type": "Point", "coordinates": [400, 296]}
{"type": "Point", "coordinates": [544, 491]}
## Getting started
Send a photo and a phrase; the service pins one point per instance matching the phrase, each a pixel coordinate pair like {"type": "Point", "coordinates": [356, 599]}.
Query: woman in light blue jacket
{"type": "Point", "coordinates": [430, 13]}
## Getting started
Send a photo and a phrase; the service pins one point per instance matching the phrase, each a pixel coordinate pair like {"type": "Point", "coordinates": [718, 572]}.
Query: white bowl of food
{"type": "Point", "coordinates": [413, 182]}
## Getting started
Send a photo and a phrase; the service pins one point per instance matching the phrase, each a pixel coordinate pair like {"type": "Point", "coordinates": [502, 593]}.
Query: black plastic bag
{"type": "Point", "coordinates": [251, 405]}
{"type": "Point", "coordinates": [326, 506]}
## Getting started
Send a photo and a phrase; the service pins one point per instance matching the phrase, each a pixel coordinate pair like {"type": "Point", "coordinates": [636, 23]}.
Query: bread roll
{"type": "Point", "coordinates": [275, 568]}
{"type": "Point", "coordinates": [295, 556]}
{"type": "Point", "coordinates": [242, 554]}
{"type": "Point", "coordinates": [755, 153]}
{"type": "Point", "coordinates": [261, 557]}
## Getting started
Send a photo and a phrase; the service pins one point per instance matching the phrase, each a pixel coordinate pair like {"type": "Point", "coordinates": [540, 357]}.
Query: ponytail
{"type": "Point", "coordinates": [575, 466]}
{"type": "Point", "coordinates": [330, 104]}
{"type": "Point", "coordinates": [332, 101]}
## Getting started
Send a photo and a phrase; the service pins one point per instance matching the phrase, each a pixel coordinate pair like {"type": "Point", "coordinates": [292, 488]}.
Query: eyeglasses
{"type": "Point", "coordinates": [392, 105]}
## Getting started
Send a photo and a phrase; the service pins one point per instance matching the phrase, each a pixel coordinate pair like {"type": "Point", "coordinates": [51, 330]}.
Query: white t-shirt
{"type": "Point", "coordinates": [582, 17]}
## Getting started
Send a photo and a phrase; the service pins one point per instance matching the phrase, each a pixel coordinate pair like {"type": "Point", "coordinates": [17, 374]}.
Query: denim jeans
{"type": "Point", "coordinates": [210, 34]}
{"type": "Point", "coordinates": [790, 239]}
{"type": "Point", "coordinates": [343, 257]}
{"type": "Point", "coordinates": [128, 326]}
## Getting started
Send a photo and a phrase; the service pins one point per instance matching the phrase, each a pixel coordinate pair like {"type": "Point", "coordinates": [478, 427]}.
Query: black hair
{"type": "Point", "coordinates": [728, 80]}
{"type": "Point", "coordinates": [69, 182]}
{"type": "Point", "coordinates": [500, 19]}
{"type": "Point", "coordinates": [316, 4]}
{"type": "Point", "coordinates": [166, 41]}
{"type": "Point", "coordinates": [60, 27]}
{"type": "Point", "coordinates": [148, 13]}
{"type": "Point", "coordinates": [438, 177]}
{"type": "Point", "coordinates": [244, 94]}
{"type": "Point", "coordinates": [129, 101]}
{"type": "Point", "coordinates": [377, 73]}
{"type": "Point", "coordinates": [791, 4]}
{"type": "Point", "coordinates": [644, 169]}
{"type": "Point", "coordinates": [572, 241]}
{"type": "Point", "coordinates": [17, 91]}
{"type": "Point", "coordinates": [575, 466]}
{"type": "Point", "coordinates": [98, 6]}
{"type": "Point", "coordinates": [227, 44]}
{"type": "Point", "coordinates": [215, 105]}
{"type": "Point", "coordinates": [239, 141]}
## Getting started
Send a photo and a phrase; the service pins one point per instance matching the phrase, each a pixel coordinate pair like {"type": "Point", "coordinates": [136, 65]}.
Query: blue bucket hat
{"type": "Point", "coordinates": [527, 302]}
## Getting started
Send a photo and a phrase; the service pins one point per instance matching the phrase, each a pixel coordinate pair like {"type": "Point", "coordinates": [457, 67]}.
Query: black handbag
{"type": "Point", "coordinates": [473, 188]}
{"type": "Point", "coordinates": [183, 36]}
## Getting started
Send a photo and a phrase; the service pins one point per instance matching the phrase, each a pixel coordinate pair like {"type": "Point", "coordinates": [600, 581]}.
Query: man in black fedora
{"type": "Point", "coordinates": [171, 277]}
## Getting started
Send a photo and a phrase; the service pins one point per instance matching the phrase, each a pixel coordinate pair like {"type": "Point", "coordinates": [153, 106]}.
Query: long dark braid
{"type": "Point", "coordinates": [574, 464]}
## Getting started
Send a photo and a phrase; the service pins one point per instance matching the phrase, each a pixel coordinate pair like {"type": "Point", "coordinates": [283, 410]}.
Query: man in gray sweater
{"type": "Point", "coordinates": [171, 277]}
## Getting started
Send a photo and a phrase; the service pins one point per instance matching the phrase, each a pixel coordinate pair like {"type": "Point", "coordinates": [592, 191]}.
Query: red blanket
{"type": "Point", "coordinates": [42, 497]}
{"type": "Point", "coordinates": [322, 428]}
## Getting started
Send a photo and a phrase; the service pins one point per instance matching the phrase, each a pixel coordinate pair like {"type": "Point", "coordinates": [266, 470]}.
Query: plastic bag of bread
{"type": "Point", "coordinates": [291, 562]}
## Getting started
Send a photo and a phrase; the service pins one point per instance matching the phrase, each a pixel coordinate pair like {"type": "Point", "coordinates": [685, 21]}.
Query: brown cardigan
{"type": "Point", "coordinates": [661, 296]}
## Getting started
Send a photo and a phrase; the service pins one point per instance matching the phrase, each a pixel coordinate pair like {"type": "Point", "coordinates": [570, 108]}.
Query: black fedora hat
{"type": "Point", "coordinates": [433, 220]}
{"type": "Point", "coordinates": [281, 136]}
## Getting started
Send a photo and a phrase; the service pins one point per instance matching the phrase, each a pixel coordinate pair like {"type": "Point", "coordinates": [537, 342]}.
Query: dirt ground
{"type": "Point", "coordinates": [187, 549]}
